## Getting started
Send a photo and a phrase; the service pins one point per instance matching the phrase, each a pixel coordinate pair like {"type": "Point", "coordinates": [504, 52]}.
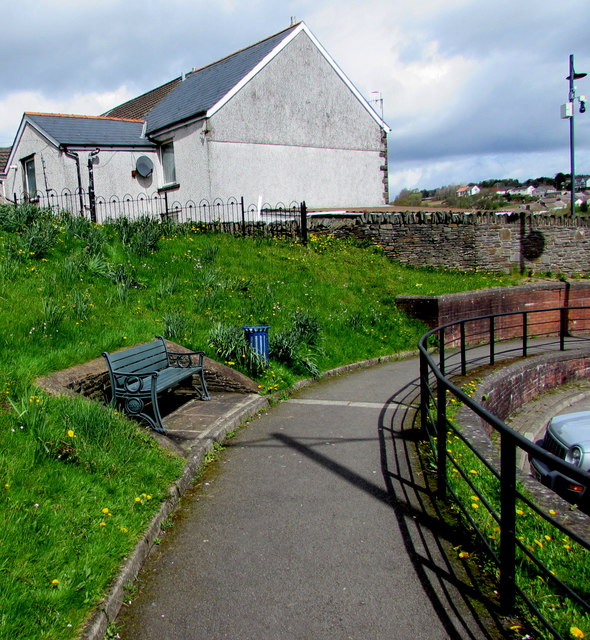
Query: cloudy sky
{"type": "Point", "coordinates": [471, 88]}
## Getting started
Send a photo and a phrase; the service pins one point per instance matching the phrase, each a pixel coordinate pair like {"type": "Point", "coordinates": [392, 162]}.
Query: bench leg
{"type": "Point", "coordinates": [203, 392]}
{"type": "Point", "coordinates": [136, 408]}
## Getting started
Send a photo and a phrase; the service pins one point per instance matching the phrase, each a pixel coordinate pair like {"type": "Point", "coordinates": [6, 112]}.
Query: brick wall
{"type": "Point", "coordinates": [439, 310]}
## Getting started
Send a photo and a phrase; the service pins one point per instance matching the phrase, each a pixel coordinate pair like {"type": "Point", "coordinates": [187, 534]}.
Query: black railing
{"type": "Point", "coordinates": [467, 346]}
{"type": "Point", "coordinates": [231, 215]}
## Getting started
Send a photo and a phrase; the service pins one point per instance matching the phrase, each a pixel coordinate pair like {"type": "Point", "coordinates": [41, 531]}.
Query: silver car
{"type": "Point", "coordinates": [567, 437]}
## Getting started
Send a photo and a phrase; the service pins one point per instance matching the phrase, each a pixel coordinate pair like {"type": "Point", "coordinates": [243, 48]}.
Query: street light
{"type": "Point", "coordinates": [567, 111]}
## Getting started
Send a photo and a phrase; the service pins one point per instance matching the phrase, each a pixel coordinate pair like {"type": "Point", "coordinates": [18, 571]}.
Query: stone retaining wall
{"type": "Point", "coordinates": [485, 241]}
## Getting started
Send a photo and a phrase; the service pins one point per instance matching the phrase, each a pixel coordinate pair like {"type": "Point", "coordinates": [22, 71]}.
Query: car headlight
{"type": "Point", "coordinates": [575, 456]}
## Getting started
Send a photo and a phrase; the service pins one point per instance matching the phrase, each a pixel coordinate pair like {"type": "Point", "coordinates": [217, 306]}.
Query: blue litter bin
{"type": "Point", "coordinates": [257, 337]}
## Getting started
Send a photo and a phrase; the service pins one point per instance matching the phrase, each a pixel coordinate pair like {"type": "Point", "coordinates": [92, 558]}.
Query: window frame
{"type": "Point", "coordinates": [167, 156]}
{"type": "Point", "coordinates": [28, 163]}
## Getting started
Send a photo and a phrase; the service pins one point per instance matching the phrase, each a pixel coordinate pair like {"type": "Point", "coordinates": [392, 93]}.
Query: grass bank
{"type": "Point", "coordinates": [78, 483]}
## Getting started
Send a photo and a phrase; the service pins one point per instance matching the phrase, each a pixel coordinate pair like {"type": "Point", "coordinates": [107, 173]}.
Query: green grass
{"type": "Point", "coordinates": [78, 483]}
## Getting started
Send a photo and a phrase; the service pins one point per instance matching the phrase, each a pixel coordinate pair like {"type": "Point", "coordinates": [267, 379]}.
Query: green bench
{"type": "Point", "coordinates": [139, 374]}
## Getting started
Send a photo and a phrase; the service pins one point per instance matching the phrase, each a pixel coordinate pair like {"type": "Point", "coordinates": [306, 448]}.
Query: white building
{"type": "Point", "coordinates": [276, 121]}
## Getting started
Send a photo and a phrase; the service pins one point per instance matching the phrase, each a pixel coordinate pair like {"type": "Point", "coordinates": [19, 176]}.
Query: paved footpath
{"type": "Point", "coordinates": [315, 526]}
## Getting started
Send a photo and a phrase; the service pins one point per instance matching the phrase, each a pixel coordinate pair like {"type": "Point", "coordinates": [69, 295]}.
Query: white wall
{"type": "Point", "coordinates": [296, 132]}
{"type": "Point", "coordinates": [55, 171]}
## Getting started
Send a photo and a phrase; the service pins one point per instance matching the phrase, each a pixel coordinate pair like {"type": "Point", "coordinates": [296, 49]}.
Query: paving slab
{"type": "Point", "coordinates": [316, 522]}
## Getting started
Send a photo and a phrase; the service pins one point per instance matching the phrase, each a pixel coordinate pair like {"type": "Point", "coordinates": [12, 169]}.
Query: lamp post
{"type": "Point", "coordinates": [568, 111]}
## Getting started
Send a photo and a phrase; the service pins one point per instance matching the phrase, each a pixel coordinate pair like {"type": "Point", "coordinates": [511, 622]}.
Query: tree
{"type": "Point", "coordinates": [409, 198]}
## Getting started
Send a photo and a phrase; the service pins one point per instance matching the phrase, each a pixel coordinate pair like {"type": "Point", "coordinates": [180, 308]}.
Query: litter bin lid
{"type": "Point", "coordinates": [256, 327]}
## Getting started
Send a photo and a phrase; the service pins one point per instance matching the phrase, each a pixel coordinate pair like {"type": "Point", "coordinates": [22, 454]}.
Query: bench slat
{"type": "Point", "coordinates": [156, 346]}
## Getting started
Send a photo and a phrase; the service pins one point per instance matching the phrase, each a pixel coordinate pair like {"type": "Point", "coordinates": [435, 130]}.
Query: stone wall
{"type": "Point", "coordinates": [485, 241]}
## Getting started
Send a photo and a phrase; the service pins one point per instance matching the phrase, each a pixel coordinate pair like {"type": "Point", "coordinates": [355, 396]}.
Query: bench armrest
{"type": "Point", "coordinates": [130, 382]}
{"type": "Point", "coordinates": [186, 359]}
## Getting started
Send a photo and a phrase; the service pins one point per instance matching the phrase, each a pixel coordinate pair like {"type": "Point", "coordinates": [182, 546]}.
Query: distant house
{"type": "Point", "coordinates": [470, 190]}
{"type": "Point", "coordinates": [276, 121]}
{"type": "Point", "coordinates": [522, 191]}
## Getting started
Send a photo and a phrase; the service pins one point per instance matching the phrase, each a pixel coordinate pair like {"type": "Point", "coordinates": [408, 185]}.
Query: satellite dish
{"type": "Point", "coordinates": [144, 166]}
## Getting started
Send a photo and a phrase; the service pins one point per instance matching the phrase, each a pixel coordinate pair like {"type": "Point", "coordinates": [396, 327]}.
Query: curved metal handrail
{"type": "Point", "coordinates": [436, 385]}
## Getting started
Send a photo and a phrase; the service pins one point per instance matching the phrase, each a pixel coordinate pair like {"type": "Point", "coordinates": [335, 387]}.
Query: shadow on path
{"type": "Point", "coordinates": [457, 594]}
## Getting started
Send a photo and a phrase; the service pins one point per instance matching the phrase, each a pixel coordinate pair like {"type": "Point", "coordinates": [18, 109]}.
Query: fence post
{"type": "Point", "coordinates": [563, 322]}
{"type": "Point", "coordinates": [243, 217]}
{"type": "Point", "coordinates": [424, 391]}
{"type": "Point", "coordinates": [507, 522]}
{"type": "Point", "coordinates": [304, 223]}
{"type": "Point", "coordinates": [91, 194]}
{"type": "Point", "coordinates": [463, 350]}
{"type": "Point", "coordinates": [492, 340]}
{"type": "Point", "coordinates": [441, 438]}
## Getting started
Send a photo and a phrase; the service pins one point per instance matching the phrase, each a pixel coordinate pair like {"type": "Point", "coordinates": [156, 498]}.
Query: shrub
{"type": "Point", "coordinates": [230, 345]}
{"type": "Point", "coordinates": [176, 326]}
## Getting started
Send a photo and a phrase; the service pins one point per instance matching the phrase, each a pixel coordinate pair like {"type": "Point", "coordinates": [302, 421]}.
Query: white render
{"type": "Point", "coordinates": [294, 132]}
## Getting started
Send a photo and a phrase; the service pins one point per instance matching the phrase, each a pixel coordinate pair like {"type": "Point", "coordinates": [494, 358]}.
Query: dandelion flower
{"type": "Point", "coordinates": [552, 512]}
{"type": "Point", "coordinates": [103, 524]}
{"type": "Point", "coordinates": [475, 505]}
{"type": "Point", "coordinates": [577, 633]}
{"type": "Point", "coordinates": [54, 583]}
{"type": "Point", "coordinates": [71, 433]}
{"type": "Point", "coordinates": [105, 510]}
{"type": "Point", "coordinates": [464, 554]}
{"type": "Point", "coordinates": [473, 471]}
{"type": "Point", "coordinates": [520, 512]}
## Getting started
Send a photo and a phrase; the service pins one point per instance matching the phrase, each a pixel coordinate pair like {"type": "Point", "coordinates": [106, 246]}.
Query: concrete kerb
{"type": "Point", "coordinates": [108, 610]}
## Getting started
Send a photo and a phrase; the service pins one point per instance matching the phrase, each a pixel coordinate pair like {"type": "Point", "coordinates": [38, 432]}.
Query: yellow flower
{"type": "Point", "coordinates": [548, 538]}
{"type": "Point", "coordinates": [137, 499]}
{"type": "Point", "coordinates": [103, 524]}
{"type": "Point", "coordinates": [7, 486]}
{"type": "Point", "coordinates": [473, 471]}
{"type": "Point", "coordinates": [54, 583]}
{"type": "Point", "coordinates": [552, 512]}
{"type": "Point", "coordinates": [123, 529]}
{"type": "Point", "coordinates": [475, 505]}
{"type": "Point", "coordinates": [464, 554]}
{"type": "Point", "coordinates": [105, 510]}
{"type": "Point", "coordinates": [577, 633]}
{"type": "Point", "coordinates": [71, 433]}
{"type": "Point", "coordinates": [520, 512]}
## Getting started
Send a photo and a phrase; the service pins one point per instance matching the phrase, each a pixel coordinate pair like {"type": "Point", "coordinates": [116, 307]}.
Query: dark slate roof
{"type": "Point", "coordinates": [139, 107]}
{"type": "Point", "coordinates": [203, 88]}
{"type": "Point", "coordinates": [4, 153]}
{"type": "Point", "coordinates": [90, 130]}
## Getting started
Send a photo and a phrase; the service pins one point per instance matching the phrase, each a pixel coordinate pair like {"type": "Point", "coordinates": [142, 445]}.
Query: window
{"type": "Point", "coordinates": [168, 166]}
{"type": "Point", "coordinates": [30, 182]}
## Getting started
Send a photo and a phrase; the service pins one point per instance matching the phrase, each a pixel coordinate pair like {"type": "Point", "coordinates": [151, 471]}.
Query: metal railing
{"type": "Point", "coordinates": [231, 215]}
{"type": "Point", "coordinates": [466, 346]}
